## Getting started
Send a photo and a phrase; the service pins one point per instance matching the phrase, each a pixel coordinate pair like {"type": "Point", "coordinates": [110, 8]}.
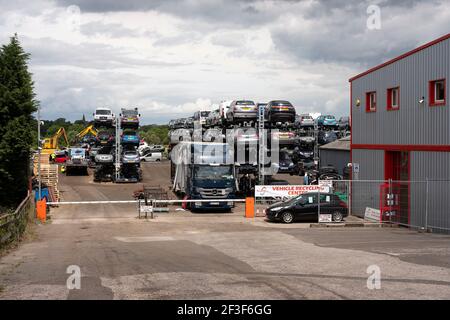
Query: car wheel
{"type": "Point", "coordinates": [337, 216]}
{"type": "Point", "coordinates": [287, 217]}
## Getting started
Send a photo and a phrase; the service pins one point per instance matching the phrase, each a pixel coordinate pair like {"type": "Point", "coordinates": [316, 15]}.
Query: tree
{"type": "Point", "coordinates": [17, 104]}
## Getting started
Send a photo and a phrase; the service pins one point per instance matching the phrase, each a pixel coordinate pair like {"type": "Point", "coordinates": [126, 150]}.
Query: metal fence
{"type": "Point", "coordinates": [423, 205]}
{"type": "Point", "coordinates": [12, 225]}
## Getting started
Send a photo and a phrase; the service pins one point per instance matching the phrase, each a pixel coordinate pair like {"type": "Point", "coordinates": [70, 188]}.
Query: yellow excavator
{"type": "Point", "coordinates": [51, 144]}
{"type": "Point", "coordinates": [88, 130]}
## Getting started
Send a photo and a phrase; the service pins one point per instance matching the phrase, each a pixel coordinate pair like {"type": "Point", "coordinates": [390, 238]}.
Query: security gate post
{"type": "Point", "coordinates": [426, 206]}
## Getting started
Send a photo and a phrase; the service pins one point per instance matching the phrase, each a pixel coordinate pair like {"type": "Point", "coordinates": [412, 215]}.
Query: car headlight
{"type": "Point", "coordinates": [276, 209]}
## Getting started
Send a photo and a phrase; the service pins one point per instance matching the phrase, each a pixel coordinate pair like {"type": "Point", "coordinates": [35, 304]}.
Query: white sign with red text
{"type": "Point", "coordinates": [288, 191]}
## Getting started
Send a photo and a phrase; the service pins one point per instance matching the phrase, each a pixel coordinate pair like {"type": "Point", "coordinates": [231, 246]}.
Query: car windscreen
{"type": "Point", "coordinates": [285, 156]}
{"type": "Point", "coordinates": [329, 117]}
{"type": "Point", "coordinates": [77, 152]}
{"type": "Point", "coordinates": [331, 135]}
{"type": "Point", "coordinates": [282, 103]}
{"type": "Point", "coordinates": [245, 103]}
{"type": "Point", "coordinates": [129, 113]}
{"type": "Point", "coordinates": [103, 112]}
{"type": "Point", "coordinates": [213, 172]}
{"type": "Point", "coordinates": [205, 113]}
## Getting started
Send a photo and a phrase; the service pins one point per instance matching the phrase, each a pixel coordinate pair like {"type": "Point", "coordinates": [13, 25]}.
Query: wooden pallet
{"type": "Point", "coordinates": [49, 175]}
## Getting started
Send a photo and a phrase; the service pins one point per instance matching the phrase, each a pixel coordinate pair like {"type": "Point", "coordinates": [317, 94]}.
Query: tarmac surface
{"type": "Point", "coordinates": [180, 255]}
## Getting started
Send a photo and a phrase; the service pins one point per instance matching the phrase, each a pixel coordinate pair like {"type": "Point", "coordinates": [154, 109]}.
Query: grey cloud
{"type": "Point", "coordinates": [87, 55]}
{"type": "Point", "coordinates": [339, 34]}
{"type": "Point", "coordinates": [219, 12]}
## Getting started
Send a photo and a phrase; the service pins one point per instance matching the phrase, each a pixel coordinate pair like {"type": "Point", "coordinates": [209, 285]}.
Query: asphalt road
{"type": "Point", "coordinates": [213, 256]}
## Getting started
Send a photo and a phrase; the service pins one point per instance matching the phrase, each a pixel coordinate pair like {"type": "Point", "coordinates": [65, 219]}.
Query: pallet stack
{"type": "Point", "coordinates": [49, 176]}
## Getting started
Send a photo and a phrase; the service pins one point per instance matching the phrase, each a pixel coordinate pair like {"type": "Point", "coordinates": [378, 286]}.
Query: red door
{"type": "Point", "coordinates": [397, 168]}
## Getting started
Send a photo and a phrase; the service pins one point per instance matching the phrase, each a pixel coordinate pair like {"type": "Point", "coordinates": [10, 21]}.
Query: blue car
{"type": "Point", "coordinates": [327, 121]}
{"type": "Point", "coordinates": [130, 137]}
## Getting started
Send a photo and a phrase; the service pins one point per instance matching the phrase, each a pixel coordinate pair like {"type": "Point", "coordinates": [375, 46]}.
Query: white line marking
{"type": "Point", "coordinates": [143, 239]}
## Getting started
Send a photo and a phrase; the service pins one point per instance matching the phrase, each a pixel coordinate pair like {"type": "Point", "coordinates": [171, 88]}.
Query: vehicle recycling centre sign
{"type": "Point", "coordinates": [287, 191]}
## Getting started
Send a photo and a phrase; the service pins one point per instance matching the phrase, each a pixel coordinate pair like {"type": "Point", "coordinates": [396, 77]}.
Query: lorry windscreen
{"type": "Point", "coordinates": [213, 172]}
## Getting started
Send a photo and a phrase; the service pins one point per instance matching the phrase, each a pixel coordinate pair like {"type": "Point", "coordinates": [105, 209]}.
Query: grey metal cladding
{"type": "Point", "coordinates": [413, 123]}
{"type": "Point", "coordinates": [338, 158]}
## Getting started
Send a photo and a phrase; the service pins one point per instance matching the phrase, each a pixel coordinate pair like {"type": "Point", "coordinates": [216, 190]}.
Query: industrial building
{"type": "Point", "coordinates": [336, 154]}
{"type": "Point", "coordinates": [400, 121]}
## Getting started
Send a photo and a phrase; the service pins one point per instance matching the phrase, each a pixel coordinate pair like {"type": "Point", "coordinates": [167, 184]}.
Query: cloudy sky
{"type": "Point", "coordinates": [171, 58]}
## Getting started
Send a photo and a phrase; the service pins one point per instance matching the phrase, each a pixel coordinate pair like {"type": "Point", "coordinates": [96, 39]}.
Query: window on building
{"type": "Point", "coordinates": [393, 98]}
{"type": "Point", "coordinates": [371, 101]}
{"type": "Point", "coordinates": [437, 92]}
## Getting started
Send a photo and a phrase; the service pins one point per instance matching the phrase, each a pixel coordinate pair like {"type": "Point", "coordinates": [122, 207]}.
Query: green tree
{"type": "Point", "coordinates": [17, 104]}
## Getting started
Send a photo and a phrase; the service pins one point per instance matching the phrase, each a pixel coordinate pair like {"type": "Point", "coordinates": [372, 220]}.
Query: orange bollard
{"type": "Point", "coordinates": [41, 210]}
{"type": "Point", "coordinates": [249, 207]}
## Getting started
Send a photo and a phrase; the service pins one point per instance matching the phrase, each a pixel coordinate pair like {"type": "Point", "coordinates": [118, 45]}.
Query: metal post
{"type": "Point", "coordinates": [39, 153]}
{"type": "Point", "coordinates": [391, 201]}
{"type": "Point", "coordinates": [318, 201]}
{"type": "Point", "coordinates": [426, 207]}
{"type": "Point", "coordinates": [262, 141]}
{"type": "Point", "coordinates": [349, 197]}
{"type": "Point", "coordinates": [117, 164]}
{"type": "Point", "coordinates": [316, 145]}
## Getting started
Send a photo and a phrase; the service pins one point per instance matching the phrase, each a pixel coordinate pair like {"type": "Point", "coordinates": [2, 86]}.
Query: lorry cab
{"type": "Point", "coordinates": [204, 171]}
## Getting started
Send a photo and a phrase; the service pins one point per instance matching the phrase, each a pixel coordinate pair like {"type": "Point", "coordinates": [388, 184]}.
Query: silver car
{"type": "Point", "coordinates": [130, 156]}
{"type": "Point", "coordinates": [306, 120]}
{"type": "Point", "coordinates": [242, 111]}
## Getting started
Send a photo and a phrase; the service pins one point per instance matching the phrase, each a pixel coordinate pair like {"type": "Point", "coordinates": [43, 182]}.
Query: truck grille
{"type": "Point", "coordinates": [213, 193]}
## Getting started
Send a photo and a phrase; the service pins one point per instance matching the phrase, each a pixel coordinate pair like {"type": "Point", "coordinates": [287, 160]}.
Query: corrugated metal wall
{"type": "Point", "coordinates": [436, 167]}
{"type": "Point", "coordinates": [364, 193]}
{"type": "Point", "coordinates": [338, 158]}
{"type": "Point", "coordinates": [414, 123]}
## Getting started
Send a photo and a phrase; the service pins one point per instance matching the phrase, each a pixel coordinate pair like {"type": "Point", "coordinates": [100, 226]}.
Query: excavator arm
{"type": "Point", "coordinates": [88, 130]}
{"type": "Point", "coordinates": [50, 144]}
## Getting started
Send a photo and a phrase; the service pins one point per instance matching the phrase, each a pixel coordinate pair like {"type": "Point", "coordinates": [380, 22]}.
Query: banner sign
{"type": "Point", "coordinates": [288, 191]}
{"type": "Point", "coordinates": [372, 214]}
{"type": "Point", "coordinates": [325, 218]}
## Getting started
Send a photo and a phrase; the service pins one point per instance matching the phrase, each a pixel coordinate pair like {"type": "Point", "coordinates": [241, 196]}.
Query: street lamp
{"type": "Point", "coordinates": [40, 142]}
{"type": "Point", "coordinates": [39, 152]}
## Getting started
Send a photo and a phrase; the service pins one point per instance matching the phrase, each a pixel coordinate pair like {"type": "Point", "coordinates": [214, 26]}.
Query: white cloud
{"type": "Point", "coordinates": [172, 58]}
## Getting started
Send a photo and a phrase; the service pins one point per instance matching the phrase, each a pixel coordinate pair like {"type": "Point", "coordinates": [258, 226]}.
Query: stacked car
{"type": "Point", "coordinates": [291, 135]}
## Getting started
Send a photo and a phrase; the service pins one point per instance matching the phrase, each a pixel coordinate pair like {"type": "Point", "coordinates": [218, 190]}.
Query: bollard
{"type": "Point", "coordinates": [249, 207]}
{"type": "Point", "coordinates": [41, 210]}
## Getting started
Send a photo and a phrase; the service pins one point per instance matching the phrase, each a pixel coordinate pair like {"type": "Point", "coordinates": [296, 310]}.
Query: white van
{"type": "Point", "coordinates": [152, 157]}
{"type": "Point", "coordinates": [103, 116]}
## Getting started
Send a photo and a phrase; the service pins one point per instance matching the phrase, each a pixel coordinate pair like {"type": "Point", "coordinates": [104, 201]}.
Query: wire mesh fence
{"type": "Point", "coordinates": [423, 205]}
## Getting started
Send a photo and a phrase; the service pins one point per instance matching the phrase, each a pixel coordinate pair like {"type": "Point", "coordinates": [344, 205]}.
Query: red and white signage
{"type": "Point", "coordinates": [288, 191]}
